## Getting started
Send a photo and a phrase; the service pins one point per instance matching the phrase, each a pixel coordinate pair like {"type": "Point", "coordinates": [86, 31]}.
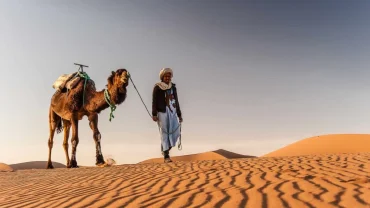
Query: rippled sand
{"type": "Point", "coordinates": [334, 180]}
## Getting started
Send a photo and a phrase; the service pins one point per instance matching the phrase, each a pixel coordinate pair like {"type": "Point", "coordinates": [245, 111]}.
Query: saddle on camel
{"type": "Point", "coordinates": [76, 97]}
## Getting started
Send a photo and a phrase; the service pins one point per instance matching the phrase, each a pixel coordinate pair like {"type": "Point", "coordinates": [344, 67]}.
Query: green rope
{"type": "Point", "coordinates": [111, 105]}
{"type": "Point", "coordinates": [86, 77]}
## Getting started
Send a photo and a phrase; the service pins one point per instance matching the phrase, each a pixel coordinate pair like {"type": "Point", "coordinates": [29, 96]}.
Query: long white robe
{"type": "Point", "coordinates": [169, 129]}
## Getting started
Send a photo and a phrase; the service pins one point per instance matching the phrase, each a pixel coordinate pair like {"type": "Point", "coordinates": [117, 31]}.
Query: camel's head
{"type": "Point", "coordinates": [118, 79]}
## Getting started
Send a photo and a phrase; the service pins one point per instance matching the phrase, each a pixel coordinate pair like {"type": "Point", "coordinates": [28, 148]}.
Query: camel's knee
{"type": "Point", "coordinates": [75, 143]}
{"type": "Point", "coordinates": [50, 143]}
{"type": "Point", "coordinates": [65, 145]}
{"type": "Point", "coordinates": [97, 136]}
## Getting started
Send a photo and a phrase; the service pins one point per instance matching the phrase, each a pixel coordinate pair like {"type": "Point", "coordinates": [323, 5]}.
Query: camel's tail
{"type": "Point", "coordinates": [55, 117]}
{"type": "Point", "coordinates": [60, 126]}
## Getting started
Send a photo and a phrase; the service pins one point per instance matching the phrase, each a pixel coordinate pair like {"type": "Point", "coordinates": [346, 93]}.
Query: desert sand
{"type": "Point", "coordinates": [34, 165]}
{"type": "Point", "coordinates": [214, 155]}
{"type": "Point", "coordinates": [5, 168]}
{"type": "Point", "coordinates": [326, 144]}
{"type": "Point", "coordinates": [309, 180]}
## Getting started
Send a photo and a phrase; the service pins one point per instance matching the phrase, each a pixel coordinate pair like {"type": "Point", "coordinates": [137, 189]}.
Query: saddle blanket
{"type": "Point", "coordinates": [68, 81]}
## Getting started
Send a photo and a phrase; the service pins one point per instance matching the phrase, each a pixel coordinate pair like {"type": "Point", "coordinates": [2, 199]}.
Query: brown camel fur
{"type": "Point", "coordinates": [67, 108]}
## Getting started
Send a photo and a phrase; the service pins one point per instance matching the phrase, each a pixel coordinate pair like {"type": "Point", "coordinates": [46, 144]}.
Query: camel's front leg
{"type": "Point", "coordinates": [97, 137]}
{"type": "Point", "coordinates": [74, 140]}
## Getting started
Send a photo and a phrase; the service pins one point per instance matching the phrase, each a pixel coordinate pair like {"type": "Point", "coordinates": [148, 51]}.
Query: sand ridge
{"type": "Point", "coordinates": [326, 144]}
{"type": "Point", "coordinates": [5, 168]}
{"type": "Point", "coordinates": [35, 165]}
{"type": "Point", "coordinates": [219, 154]}
{"type": "Point", "coordinates": [329, 180]}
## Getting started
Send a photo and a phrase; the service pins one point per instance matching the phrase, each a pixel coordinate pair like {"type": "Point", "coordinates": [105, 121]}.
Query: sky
{"type": "Point", "coordinates": [252, 76]}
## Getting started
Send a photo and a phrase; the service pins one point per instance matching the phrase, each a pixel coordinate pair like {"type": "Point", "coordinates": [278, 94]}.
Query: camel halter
{"type": "Point", "coordinates": [110, 103]}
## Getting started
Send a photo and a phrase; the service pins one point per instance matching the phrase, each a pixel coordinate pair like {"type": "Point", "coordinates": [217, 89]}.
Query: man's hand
{"type": "Point", "coordinates": [180, 119]}
{"type": "Point", "coordinates": [155, 118]}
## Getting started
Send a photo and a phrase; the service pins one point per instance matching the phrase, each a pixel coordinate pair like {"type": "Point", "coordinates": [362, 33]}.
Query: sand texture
{"type": "Point", "coordinates": [214, 155]}
{"type": "Point", "coordinates": [330, 180]}
{"type": "Point", "coordinates": [326, 144]}
{"type": "Point", "coordinates": [5, 168]}
{"type": "Point", "coordinates": [35, 165]}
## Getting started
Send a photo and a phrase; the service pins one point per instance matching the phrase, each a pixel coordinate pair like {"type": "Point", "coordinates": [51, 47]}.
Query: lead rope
{"type": "Point", "coordinates": [179, 126]}
{"type": "Point", "coordinates": [179, 145]}
{"type": "Point", "coordinates": [139, 95]}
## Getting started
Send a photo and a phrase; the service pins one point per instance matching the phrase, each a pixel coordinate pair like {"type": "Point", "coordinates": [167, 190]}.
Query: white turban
{"type": "Point", "coordinates": [164, 71]}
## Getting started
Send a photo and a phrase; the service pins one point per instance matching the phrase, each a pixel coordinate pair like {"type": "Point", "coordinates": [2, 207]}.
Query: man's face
{"type": "Point", "coordinates": [167, 77]}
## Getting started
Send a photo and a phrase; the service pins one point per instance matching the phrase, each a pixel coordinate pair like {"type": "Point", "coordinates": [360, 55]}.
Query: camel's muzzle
{"type": "Point", "coordinates": [124, 80]}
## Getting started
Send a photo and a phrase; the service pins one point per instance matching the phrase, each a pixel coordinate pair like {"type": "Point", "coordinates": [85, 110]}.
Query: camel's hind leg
{"type": "Point", "coordinates": [67, 128]}
{"type": "Point", "coordinates": [74, 140]}
{"type": "Point", "coordinates": [54, 122]}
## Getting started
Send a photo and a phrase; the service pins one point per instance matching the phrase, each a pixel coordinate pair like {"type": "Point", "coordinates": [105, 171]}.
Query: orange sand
{"type": "Point", "coordinates": [35, 165]}
{"type": "Point", "coordinates": [326, 144]}
{"type": "Point", "coordinates": [307, 181]}
{"type": "Point", "coordinates": [320, 177]}
{"type": "Point", "coordinates": [214, 155]}
{"type": "Point", "coordinates": [5, 168]}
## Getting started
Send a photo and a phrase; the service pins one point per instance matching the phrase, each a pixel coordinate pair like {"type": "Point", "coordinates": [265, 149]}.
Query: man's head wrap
{"type": "Point", "coordinates": [164, 71]}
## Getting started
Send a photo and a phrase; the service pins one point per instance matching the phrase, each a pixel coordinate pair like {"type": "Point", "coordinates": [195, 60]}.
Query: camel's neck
{"type": "Point", "coordinates": [98, 100]}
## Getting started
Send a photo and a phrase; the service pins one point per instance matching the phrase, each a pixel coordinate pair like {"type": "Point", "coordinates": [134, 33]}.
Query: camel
{"type": "Point", "coordinates": [68, 107]}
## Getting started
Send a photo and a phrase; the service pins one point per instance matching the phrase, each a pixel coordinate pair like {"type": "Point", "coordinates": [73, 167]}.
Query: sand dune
{"type": "Point", "coordinates": [35, 165]}
{"type": "Point", "coordinates": [214, 155]}
{"type": "Point", "coordinates": [326, 144]}
{"type": "Point", "coordinates": [333, 180]}
{"type": "Point", "coordinates": [5, 168]}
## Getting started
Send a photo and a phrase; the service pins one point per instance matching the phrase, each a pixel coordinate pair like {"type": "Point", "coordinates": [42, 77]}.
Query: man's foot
{"type": "Point", "coordinates": [167, 160]}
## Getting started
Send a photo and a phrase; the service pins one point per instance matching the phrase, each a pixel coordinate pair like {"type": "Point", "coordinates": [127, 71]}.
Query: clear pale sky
{"type": "Point", "coordinates": [252, 76]}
